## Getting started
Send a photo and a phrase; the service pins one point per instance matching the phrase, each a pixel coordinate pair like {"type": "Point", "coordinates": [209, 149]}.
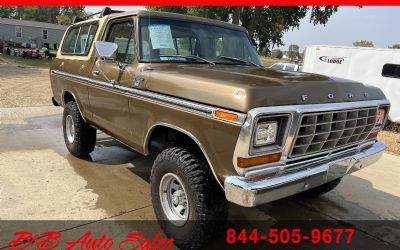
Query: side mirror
{"type": "Point", "coordinates": [106, 50]}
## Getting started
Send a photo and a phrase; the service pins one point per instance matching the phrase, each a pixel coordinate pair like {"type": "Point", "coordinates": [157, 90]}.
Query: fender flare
{"type": "Point", "coordinates": [76, 100]}
{"type": "Point", "coordinates": [198, 143]}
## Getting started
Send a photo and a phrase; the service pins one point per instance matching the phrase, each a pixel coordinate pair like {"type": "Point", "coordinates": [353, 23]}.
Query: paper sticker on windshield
{"type": "Point", "coordinates": [161, 36]}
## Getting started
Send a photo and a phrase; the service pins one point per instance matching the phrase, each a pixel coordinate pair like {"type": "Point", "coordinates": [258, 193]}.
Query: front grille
{"type": "Point", "coordinates": [330, 130]}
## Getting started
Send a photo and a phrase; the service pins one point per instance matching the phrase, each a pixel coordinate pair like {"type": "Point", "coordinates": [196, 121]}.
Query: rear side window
{"type": "Point", "coordinates": [391, 70]}
{"type": "Point", "coordinates": [79, 39]}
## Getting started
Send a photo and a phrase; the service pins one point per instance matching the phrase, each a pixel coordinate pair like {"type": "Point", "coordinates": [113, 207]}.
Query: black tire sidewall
{"type": "Point", "coordinates": [178, 233]}
{"type": "Point", "coordinates": [68, 110]}
{"type": "Point", "coordinates": [84, 135]}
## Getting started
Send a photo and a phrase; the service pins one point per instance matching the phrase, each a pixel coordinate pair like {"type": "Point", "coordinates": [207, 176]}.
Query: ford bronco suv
{"type": "Point", "coordinates": [226, 128]}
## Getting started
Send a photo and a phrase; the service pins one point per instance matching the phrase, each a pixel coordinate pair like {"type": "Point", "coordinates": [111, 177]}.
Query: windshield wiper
{"type": "Point", "coordinates": [190, 57]}
{"type": "Point", "coordinates": [238, 60]}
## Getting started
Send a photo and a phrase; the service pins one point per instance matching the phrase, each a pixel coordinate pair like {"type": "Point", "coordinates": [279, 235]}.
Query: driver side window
{"type": "Point", "coordinates": [123, 35]}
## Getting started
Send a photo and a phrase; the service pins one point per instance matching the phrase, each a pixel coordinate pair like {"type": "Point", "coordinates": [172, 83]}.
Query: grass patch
{"type": "Point", "coordinates": [268, 61]}
{"type": "Point", "coordinates": [21, 62]}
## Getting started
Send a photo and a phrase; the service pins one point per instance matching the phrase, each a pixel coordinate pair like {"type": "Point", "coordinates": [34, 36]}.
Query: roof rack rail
{"type": "Point", "coordinates": [106, 11]}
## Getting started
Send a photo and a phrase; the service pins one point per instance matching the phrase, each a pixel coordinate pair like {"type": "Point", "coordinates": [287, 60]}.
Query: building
{"type": "Point", "coordinates": [30, 34]}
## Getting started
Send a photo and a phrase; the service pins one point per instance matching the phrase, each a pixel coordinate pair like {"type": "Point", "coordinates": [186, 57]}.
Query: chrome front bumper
{"type": "Point", "coordinates": [252, 193]}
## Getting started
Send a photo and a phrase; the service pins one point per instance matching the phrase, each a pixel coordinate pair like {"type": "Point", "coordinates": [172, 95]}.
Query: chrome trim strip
{"type": "Point", "coordinates": [252, 193]}
{"type": "Point", "coordinates": [243, 143]}
{"type": "Point", "coordinates": [147, 139]}
{"type": "Point", "coordinates": [205, 109]}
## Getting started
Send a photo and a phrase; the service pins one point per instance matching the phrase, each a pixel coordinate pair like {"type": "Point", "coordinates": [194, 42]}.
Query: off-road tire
{"type": "Point", "coordinates": [208, 207]}
{"type": "Point", "coordinates": [85, 135]}
{"type": "Point", "coordinates": [320, 190]}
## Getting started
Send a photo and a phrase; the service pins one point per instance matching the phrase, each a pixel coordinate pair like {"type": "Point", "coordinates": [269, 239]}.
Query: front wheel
{"type": "Point", "coordinates": [79, 137]}
{"type": "Point", "coordinates": [188, 202]}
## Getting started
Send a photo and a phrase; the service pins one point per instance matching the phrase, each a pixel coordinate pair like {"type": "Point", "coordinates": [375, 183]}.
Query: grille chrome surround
{"type": "Point", "coordinates": [329, 130]}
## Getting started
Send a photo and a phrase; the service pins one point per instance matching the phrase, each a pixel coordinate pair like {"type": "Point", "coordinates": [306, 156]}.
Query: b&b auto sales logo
{"type": "Point", "coordinates": [51, 241]}
{"type": "Point", "coordinates": [332, 59]}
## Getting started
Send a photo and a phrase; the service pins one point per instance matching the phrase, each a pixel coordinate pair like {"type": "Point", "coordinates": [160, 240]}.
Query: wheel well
{"type": "Point", "coordinates": [68, 97]}
{"type": "Point", "coordinates": [163, 137]}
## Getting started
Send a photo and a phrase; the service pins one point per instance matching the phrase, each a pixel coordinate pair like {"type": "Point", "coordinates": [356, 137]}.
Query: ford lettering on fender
{"type": "Point", "coordinates": [226, 129]}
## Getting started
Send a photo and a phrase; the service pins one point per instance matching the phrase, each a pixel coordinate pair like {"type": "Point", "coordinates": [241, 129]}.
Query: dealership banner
{"type": "Point", "coordinates": [146, 234]}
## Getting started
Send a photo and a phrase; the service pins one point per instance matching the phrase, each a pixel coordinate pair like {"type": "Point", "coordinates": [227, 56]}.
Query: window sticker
{"type": "Point", "coordinates": [161, 36]}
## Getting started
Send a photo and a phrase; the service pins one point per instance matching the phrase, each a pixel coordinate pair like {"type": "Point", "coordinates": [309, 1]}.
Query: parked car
{"type": "Point", "coordinates": [287, 67]}
{"type": "Point", "coordinates": [227, 129]}
{"type": "Point", "coordinates": [31, 54]}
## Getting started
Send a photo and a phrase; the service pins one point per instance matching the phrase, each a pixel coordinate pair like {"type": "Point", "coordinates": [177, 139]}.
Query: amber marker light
{"type": "Point", "coordinates": [372, 135]}
{"type": "Point", "coordinates": [258, 160]}
{"type": "Point", "coordinates": [226, 116]}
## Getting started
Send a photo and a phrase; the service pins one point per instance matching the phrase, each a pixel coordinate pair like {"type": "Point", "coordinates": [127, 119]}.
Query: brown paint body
{"type": "Point", "coordinates": [131, 118]}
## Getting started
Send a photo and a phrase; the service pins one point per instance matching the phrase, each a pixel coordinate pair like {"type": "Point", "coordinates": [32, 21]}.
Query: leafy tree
{"type": "Point", "coordinates": [363, 43]}
{"type": "Point", "coordinates": [64, 20]}
{"type": "Point", "coordinates": [395, 46]}
{"type": "Point", "coordinates": [46, 14]}
{"type": "Point", "coordinates": [67, 14]}
{"type": "Point", "coordinates": [49, 14]}
{"type": "Point", "coordinates": [265, 24]}
{"type": "Point", "coordinates": [7, 12]}
{"type": "Point", "coordinates": [277, 53]}
{"type": "Point", "coordinates": [293, 52]}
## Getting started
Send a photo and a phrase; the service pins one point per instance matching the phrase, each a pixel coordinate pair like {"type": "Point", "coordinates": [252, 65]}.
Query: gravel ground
{"type": "Point", "coordinates": [24, 87]}
{"type": "Point", "coordinates": [392, 140]}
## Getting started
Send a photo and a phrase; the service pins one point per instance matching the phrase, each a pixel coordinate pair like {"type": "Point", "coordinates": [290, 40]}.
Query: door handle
{"type": "Point", "coordinates": [95, 72]}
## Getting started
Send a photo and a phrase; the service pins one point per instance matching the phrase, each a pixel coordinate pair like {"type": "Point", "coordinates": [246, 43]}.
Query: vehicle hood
{"type": "Point", "coordinates": [242, 88]}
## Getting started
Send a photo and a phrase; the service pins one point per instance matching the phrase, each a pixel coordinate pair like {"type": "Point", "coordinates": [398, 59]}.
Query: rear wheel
{"type": "Point", "coordinates": [188, 202]}
{"type": "Point", "coordinates": [79, 137]}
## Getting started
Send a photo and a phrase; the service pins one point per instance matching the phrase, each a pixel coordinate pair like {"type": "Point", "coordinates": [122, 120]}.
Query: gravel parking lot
{"type": "Point", "coordinates": [40, 180]}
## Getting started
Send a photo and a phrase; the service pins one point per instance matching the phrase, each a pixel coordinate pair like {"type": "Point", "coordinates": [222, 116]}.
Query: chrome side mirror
{"type": "Point", "coordinates": [106, 50]}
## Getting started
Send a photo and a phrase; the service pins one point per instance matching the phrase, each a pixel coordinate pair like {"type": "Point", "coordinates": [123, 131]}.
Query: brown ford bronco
{"type": "Point", "coordinates": [227, 129]}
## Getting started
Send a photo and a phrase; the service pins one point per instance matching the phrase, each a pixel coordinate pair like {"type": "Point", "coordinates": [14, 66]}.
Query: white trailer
{"type": "Point", "coordinates": [372, 66]}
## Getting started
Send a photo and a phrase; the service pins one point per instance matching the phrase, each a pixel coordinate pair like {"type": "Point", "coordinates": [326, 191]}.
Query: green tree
{"type": "Point", "coordinates": [395, 46]}
{"type": "Point", "coordinates": [363, 43]}
{"type": "Point", "coordinates": [277, 53]}
{"type": "Point", "coordinates": [49, 14]}
{"type": "Point", "coordinates": [7, 12]}
{"type": "Point", "coordinates": [265, 24]}
{"type": "Point", "coordinates": [293, 52]}
{"type": "Point", "coordinates": [64, 20]}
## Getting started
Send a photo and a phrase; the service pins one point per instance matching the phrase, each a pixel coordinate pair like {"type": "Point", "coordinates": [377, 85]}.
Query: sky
{"type": "Point", "coordinates": [377, 24]}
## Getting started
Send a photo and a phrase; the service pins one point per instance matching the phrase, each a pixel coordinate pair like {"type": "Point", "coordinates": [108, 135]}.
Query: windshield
{"type": "Point", "coordinates": [167, 40]}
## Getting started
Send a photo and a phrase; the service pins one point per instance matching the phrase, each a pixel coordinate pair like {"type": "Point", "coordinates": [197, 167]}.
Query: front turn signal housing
{"type": "Point", "coordinates": [258, 160]}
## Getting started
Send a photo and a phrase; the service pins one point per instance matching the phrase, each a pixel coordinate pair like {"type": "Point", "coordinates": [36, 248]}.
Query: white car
{"type": "Point", "coordinates": [287, 67]}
